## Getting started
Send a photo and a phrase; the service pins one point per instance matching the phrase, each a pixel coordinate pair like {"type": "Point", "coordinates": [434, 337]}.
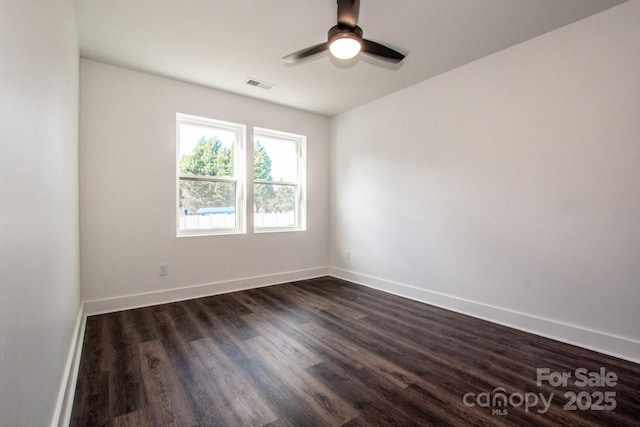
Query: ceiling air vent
{"type": "Point", "coordinates": [258, 83]}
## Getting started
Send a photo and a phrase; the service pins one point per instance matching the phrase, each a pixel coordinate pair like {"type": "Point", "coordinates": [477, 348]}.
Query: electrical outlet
{"type": "Point", "coordinates": [163, 269]}
{"type": "Point", "coordinates": [347, 255]}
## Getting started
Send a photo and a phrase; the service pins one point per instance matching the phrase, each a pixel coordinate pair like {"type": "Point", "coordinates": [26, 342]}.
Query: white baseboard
{"type": "Point", "coordinates": [180, 294]}
{"type": "Point", "coordinates": [64, 404]}
{"type": "Point", "coordinates": [621, 347]}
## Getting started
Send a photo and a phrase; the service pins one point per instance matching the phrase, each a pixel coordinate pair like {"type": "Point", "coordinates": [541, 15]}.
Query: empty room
{"type": "Point", "coordinates": [320, 213]}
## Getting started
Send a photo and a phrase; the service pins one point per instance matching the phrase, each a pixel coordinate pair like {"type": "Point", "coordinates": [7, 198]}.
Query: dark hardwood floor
{"type": "Point", "coordinates": [325, 352]}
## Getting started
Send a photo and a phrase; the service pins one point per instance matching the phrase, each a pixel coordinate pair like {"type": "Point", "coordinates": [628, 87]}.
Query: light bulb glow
{"type": "Point", "coordinates": [345, 48]}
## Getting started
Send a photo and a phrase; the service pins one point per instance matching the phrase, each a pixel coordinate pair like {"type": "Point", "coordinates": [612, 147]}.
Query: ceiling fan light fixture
{"type": "Point", "coordinates": [345, 48]}
{"type": "Point", "coordinates": [345, 42]}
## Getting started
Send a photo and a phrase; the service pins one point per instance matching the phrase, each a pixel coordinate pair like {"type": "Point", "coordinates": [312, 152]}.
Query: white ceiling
{"type": "Point", "coordinates": [220, 43]}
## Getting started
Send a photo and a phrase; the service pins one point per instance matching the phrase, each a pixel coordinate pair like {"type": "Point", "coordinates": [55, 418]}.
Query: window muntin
{"type": "Point", "coordinates": [279, 181]}
{"type": "Point", "coordinates": [210, 177]}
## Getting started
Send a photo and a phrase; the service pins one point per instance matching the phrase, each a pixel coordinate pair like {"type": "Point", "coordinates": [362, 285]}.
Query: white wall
{"type": "Point", "coordinates": [513, 182]}
{"type": "Point", "coordinates": [39, 255]}
{"type": "Point", "coordinates": [127, 159]}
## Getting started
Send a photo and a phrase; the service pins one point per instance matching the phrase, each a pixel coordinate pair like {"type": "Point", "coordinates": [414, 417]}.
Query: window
{"type": "Point", "coordinates": [210, 176]}
{"type": "Point", "coordinates": [279, 163]}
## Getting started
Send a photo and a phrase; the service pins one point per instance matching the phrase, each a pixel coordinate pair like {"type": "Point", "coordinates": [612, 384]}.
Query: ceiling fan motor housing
{"type": "Point", "coordinates": [341, 31]}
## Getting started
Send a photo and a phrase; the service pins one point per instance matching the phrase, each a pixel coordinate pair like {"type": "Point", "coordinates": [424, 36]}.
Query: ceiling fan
{"type": "Point", "coordinates": [345, 40]}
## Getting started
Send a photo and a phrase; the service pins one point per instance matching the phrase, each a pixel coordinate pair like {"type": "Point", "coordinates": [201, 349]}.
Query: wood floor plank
{"type": "Point", "coordinates": [322, 399]}
{"type": "Point", "coordinates": [206, 395]}
{"type": "Point", "coordinates": [210, 397]}
{"type": "Point", "coordinates": [319, 303]}
{"type": "Point", "coordinates": [95, 410]}
{"type": "Point", "coordinates": [132, 419]}
{"type": "Point", "coordinates": [326, 352]}
{"type": "Point", "coordinates": [433, 350]}
{"type": "Point", "coordinates": [346, 362]}
{"type": "Point", "coordinates": [349, 350]}
{"type": "Point", "coordinates": [290, 403]}
{"type": "Point", "coordinates": [283, 310]}
{"type": "Point", "coordinates": [404, 351]}
{"type": "Point", "coordinates": [238, 389]}
{"type": "Point", "coordinates": [373, 409]}
{"type": "Point", "coordinates": [219, 331]}
{"type": "Point", "coordinates": [125, 394]}
{"type": "Point", "coordinates": [167, 400]}
{"type": "Point", "coordinates": [292, 352]}
{"type": "Point", "coordinates": [91, 401]}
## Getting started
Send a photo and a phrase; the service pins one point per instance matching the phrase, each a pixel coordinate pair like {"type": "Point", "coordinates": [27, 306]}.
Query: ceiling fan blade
{"type": "Point", "coordinates": [382, 51]}
{"type": "Point", "coordinates": [348, 12]}
{"type": "Point", "coordinates": [296, 56]}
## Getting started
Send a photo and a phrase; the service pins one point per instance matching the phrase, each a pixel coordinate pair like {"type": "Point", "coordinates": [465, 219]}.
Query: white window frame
{"type": "Point", "coordinates": [240, 157]}
{"type": "Point", "coordinates": [300, 142]}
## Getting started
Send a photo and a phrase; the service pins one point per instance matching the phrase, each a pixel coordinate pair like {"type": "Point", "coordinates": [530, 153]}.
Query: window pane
{"type": "Point", "coordinates": [275, 205]}
{"type": "Point", "coordinates": [275, 159]}
{"type": "Point", "coordinates": [206, 151]}
{"type": "Point", "coordinates": [207, 205]}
